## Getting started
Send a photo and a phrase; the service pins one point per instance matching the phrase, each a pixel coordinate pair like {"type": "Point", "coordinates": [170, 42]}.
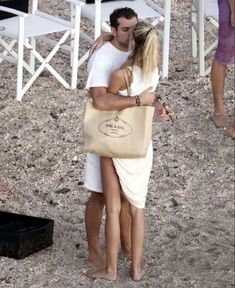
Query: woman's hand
{"type": "Point", "coordinates": [167, 113]}
{"type": "Point", "coordinates": [163, 111]}
{"type": "Point", "coordinates": [100, 42]}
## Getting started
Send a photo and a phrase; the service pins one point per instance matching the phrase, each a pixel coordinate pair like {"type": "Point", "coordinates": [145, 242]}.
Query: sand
{"type": "Point", "coordinates": [190, 205]}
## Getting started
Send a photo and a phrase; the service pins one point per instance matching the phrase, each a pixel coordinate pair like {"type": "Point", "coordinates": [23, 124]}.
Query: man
{"type": "Point", "coordinates": [101, 65]}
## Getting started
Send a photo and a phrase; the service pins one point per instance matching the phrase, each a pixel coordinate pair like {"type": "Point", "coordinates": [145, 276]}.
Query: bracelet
{"type": "Point", "coordinates": [137, 100]}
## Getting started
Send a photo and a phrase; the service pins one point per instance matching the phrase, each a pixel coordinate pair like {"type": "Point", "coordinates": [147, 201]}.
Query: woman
{"type": "Point", "coordinates": [128, 178]}
{"type": "Point", "coordinates": [224, 56]}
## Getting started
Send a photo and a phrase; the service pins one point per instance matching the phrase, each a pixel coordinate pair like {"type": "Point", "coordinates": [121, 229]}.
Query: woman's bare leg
{"type": "Point", "coordinates": [137, 243]}
{"type": "Point", "coordinates": [111, 188]}
{"type": "Point", "coordinates": [125, 227]}
{"type": "Point", "coordinates": [218, 73]}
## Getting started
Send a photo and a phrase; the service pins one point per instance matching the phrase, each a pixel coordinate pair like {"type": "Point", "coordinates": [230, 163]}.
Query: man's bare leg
{"type": "Point", "coordinates": [218, 73]}
{"type": "Point", "coordinates": [137, 244]}
{"type": "Point", "coordinates": [93, 216]}
{"type": "Point", "coordinates": [112, 193]}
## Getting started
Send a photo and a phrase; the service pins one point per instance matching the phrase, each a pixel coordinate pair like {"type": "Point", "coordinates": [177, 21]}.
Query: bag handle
{"type": "Point", "coordinates": [126, 81]}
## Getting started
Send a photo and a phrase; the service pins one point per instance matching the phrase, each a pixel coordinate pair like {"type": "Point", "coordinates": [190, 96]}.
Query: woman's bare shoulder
{"type": "Point", "coordinates": [117, 80]}
{"type": "Point", "coordinates": [118, 74]}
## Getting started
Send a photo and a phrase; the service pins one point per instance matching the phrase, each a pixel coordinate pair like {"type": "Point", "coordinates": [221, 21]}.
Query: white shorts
{"type": "Point", "coordinates": [92, 173]}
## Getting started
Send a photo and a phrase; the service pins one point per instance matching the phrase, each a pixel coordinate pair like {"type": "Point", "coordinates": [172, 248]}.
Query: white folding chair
{"type": "Point", "coordinates": [25, 28]}
{"type": "Point", "coordinates": [98, 13]}
{"type": "Point", "coordinates": [203, 15]}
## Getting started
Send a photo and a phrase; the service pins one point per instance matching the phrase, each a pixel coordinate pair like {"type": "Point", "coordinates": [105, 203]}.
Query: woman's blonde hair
{"type": "Point", "coordinates": [145, 53]}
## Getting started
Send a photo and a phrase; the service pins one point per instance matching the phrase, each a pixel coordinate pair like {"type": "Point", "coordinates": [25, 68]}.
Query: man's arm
{"type": "Point", "coordinates": [107, 99]}
{"type": "Point", "coordinates": [104, 100]}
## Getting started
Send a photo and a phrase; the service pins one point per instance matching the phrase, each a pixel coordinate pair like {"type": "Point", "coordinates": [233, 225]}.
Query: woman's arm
{"type": "Point", "coordinates": [117, 82]}
{"type": "Point", "coordinates": [105, 37]}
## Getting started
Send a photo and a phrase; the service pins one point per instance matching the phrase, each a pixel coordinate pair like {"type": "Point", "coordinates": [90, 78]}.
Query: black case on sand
{"type": "Point", "coordinates": [22, 235]}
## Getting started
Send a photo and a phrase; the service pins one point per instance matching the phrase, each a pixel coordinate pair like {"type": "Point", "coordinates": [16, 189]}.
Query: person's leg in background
{"type": "Point", "coordinates": [224, 56]}
{"type": "Point", "coordinates": [219, 117]}
{"type": "Point", "coordinates": [218, 74]}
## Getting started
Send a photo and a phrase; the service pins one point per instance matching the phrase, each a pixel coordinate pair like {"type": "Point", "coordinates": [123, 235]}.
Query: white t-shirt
{"type": "Point", "coordinates": [100, 67]}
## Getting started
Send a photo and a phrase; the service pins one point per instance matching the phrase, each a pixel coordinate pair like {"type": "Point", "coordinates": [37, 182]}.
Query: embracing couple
{"type": "Point", "coordinates": [121, 184]}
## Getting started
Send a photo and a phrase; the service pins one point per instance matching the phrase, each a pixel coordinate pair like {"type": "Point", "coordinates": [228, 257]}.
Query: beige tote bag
{"type": "Point", "coordinates": [122, 133]}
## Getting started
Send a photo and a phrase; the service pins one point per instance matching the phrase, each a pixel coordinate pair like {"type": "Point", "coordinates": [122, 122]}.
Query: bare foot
{"type": "Point", "coordinates": [230, 131]}
{"type": "Point", "coordinates": [102, 274]}
{"type": "Point", "coordinates": [137, 274]}
{"type": "Point", "coordinates": [220, 120]}
{"type": "Point", "coordinates": [96, 262]}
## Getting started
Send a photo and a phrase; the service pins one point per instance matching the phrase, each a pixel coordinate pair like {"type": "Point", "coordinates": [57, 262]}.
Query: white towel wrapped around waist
{"type": "Point", "coordinates": [134, 177]}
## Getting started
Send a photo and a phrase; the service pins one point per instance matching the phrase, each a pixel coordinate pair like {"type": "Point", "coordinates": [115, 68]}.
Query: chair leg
{"type": "Point", "coordinates": [7, 47]}
{"type": "Point", "coordinates": [83, 58]}
{"type": "Point", "coordinates": [97, 18]}
{"type": "Point", "coordinates": [9, 50]}
{"type": "Point", "coordinates": [166, 39]}
{"type": "Point", "coordinates": [75, 44]}
{"type": "Point", "coordinates": [32, 57]}
{"type": "Point", "coordinates": [193, 30]}
{"type": "Point", "coordinates": [19, 92]}
{"type": "Point", "coordinates": [201, 41]}
{"type": "Point", "coordinates": [45, 63]}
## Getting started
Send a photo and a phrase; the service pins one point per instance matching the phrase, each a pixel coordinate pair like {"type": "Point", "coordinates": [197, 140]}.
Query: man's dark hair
{"type": "Point", "coordinates": [125, 12]}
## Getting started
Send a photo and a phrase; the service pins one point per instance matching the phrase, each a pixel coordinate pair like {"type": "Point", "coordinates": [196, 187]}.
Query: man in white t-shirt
{"type": "Point", "coordinates": [101, 65]}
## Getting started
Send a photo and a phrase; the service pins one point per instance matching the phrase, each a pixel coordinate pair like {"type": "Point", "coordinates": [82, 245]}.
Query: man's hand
{"type": "Point", "coordinates": [147, 97]}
